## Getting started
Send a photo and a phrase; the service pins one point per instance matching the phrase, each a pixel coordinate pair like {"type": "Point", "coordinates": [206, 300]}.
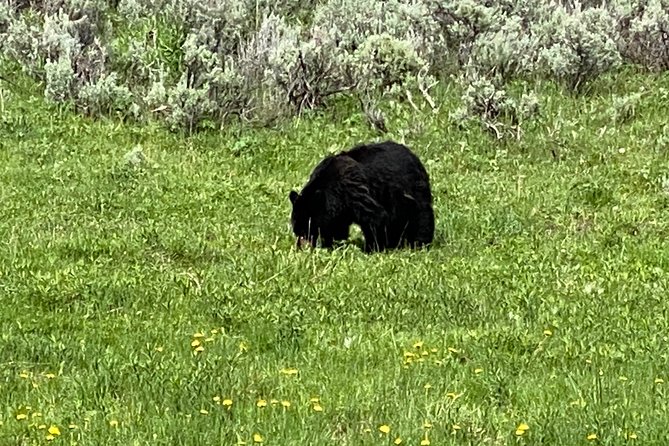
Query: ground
{"type": "Point", "coordinates": [164, 302]}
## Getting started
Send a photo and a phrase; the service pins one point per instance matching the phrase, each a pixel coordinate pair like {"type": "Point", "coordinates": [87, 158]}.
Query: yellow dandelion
{"type": "Point", "coordinates": [548, 332]}
{"type": "Point", "coordinates": [384, 428]}
{"type": "Point", "coordinates": [195, 343]}
{"type": "Point", "coordinates": [427, 386]}
{"type": "Point", "coordinates": [257, 438]}
{"type": "Point", "coordinates": [631, 436]}
{"type": "Point", "coordinates": [425, 441]}
{"type": "Point", "coordinates": [227, 402]}
{"type": "Point", "coordinates": [113, 423]}
{"type": "Point", "coordinates": [49, 437]}
{"type": "Point", "coordinates": [398, 440]}
{"type": "Point", "coordinates": [53, 430]}
{"type": "Point", "coordinates": [21, 416]}
{"type": "Point", "coordinates": [41, 426]}
{"type": "Point", "coordinates": [425, 353]}
{"type": "Point", "coordinates": [261, 403]}
{"type": "Point", "coordinates": [418, 345]}
{"type": "Point", "coordinates": [659, 381]}
{"type": "Point", "coordinates": [285, 403]}
{"type": "Point", "coordinates": [478, 371]}
{"type": "Point", "coordinates": [35, 414]}
{"type": "Point", "coordinates": [213, 331]}
{"type": "Point", "coordinates": [274, 401]}
{"type": "Point", "coordinates": [24, 375]}
{"type": "Point", "coordinates": [456, 427]}
{"type": "Point", "coordinates": [49, 375]}
{"type": "Point", "coordinates": [318, 407]}
{"type": "Point", "coordinates": [199, 349]}
{"type": "Point", "coordinates": [521, 429]}
{"type": "Point", "coordinates": [427, 425]}
{"type": "Point", "coordinates": [204, 412]}
{"type": "Point", "coordinates": [453, 350]}
{"type": "Point", "coordinates": [217, 399]}
{"type": "Point", "coordinates": [433, 350]}
{"type": "Point", "coordinates": [314, 399]}
{"type": "Point", "coordinates": [159, 349]}
{"type": "Point", "coordinates": [198, 335]}
{"type": "Point", "coordinates": [592, 436]}
{"type": "Point", "coordinates": [288, 371]}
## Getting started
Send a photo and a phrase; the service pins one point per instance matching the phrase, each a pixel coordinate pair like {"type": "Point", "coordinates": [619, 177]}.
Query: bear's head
{"type": "Point", "coordinates": [305, 219]}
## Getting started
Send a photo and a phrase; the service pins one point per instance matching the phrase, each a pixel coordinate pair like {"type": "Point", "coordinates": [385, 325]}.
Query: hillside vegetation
{"type": "Point", "coordinates": [150, 287]}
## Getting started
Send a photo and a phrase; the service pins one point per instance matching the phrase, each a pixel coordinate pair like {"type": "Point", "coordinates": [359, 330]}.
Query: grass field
{"type": "Point", "coordinates": [162, 301]}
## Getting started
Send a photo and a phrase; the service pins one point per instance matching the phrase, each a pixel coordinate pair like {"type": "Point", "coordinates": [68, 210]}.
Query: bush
{"type": "Point", "coordinates": [644, 33]}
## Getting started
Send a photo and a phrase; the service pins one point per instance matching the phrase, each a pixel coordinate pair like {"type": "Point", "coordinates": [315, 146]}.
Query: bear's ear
{"type": "Point", "coordinates": [293, 196]}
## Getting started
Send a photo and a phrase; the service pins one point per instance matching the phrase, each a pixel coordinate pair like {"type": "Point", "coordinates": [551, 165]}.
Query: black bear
{"type": "Point", "coordinates": [381, 187]}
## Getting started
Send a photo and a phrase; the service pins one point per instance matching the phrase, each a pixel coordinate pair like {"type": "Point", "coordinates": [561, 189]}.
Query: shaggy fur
{"type": "Point", "coordinates": [383, 188]}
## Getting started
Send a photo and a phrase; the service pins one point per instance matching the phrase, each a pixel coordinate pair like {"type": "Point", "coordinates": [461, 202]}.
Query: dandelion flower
{"type": "Point", "coordinates": [24, 375]}
{"type": "Point", "coordinates": [425, 353]}
{"type": "Point", "coordinates": [592, 436]}
{"type": "Point", "coordinates": [113, 423]}
{"type": "Point", "coordinates": [261, 403]}
{"type": "Point", "coordinates": [427, 386]}
{"type": "Point", "coordinates": [274, 401]}
{"type": "Point", "coordinates": [53, 430]}
{"type": "Point", "coordinates": [204, 412]}
{"type": "Point", "coordinates": [314, 399]}
{"type": "Point", "coordinates": [21, 416]}
{"type": "Point", "coordinates": [521, 429]}
{"type": "Point", "coordinates": [456, 427]}
{"type": "Point", "coordinates": [288, 371]}
{"type": "Point", "coordinates": [49, 437]}
{"type": "Point", "coordinates": [631, 436]}
{"type": "Point", "coordinates": [195, 343]}
{"type": "Point", "coordinates": [453, 350]}
{"type": "Point", "coordinates": [217, 399]}
{"type": "Point", "coordinates": [49, 375]}
{"type": "Point", "coordinates": [227, 402]}
{"type": "Point", "coordinates": [433, 350]}
{"type": "Point", "coordinates": [41, 426]}
{"type": "Point", "coordinates": [548, 332]}
{"type": "Point", "coordinates": [398, 440]}
{"type": "Point", "coordinates": [427, 425]}
{"type": "Point", "coordinates": [478, 371]}
{"type": "Point", "coordinates": [198, 335]}
{"type": "Point", "coordinates": [159, 349]}
{"type": "Point", "coordinates": [213, 331]}
{"type": "Point", "coordinates": [318, 407]}
{"type": "Point", "coordinates": [257, 438]}
{"type": "Point", "coordinates": [285, 404]}
{"type": "Point", "coordinates": [659, 381]}
{"type": "Point", "coordinates": [199, 349]}
{"type": "Point", "coordinates": [425, 441]}
{"type": "Point", "coordinates": [384, 428]}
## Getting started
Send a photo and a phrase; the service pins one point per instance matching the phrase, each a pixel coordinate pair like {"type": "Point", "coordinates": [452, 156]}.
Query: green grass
{"type": "Point", "coordinates": [547, 280]}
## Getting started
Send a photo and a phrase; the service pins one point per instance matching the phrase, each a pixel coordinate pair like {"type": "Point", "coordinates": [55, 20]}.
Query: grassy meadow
{"type": "Point", "coordinates": [152, 295]}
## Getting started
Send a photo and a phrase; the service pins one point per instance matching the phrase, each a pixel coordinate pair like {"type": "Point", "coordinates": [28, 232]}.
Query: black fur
{"type": "Point", "coordinates": [381, 187]}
